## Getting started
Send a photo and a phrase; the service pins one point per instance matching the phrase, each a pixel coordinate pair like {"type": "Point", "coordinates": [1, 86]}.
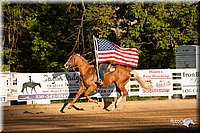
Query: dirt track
{"type": "Point", "coordinates": [134, 116]}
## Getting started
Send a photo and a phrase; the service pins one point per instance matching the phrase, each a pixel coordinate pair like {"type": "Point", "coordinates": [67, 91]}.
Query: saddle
{"type": "Point", "coordinates": [109, 69]}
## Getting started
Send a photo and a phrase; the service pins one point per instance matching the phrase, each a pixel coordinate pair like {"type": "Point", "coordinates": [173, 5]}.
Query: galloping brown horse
{"type": "Point", "coordinates": [88, 75]}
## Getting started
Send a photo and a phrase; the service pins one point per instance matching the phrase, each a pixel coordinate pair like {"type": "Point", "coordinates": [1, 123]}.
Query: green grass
{"type": "Point", "coordinates": [138, 98]}
{"type": "Point", "coordinates": [68, 101]}
{"type": "Point", "coordinates": [110, 99]}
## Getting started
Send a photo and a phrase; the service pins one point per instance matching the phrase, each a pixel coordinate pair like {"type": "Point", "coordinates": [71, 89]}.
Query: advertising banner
{"type": "Point", "coordinates": [108, 91]}
{"type": "Point", "coordinates": [3, 90]}
{"type": "Point", "coordinates": [64, 85]}
{"type": "Point", "coordinates": [35, 86]}
{"type": "Point", "coordinates": [159, 79]}
{"type": "Point", "coordinates": [52, 86]}
{"type": "Point", "coordinates": [11, 85]}
{"type": "Point", "coordinates": [190, 81]}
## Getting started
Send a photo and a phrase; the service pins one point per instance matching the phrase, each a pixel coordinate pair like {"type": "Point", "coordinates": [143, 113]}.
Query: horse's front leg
{"type": "Point", "coordinates": [89, 90]}
{"type": "Point", "coordinates": [80, 91]}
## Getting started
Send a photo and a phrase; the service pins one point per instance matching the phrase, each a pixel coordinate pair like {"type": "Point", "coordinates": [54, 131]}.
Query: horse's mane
{"type": "Point", "coordinates": [83, 59]}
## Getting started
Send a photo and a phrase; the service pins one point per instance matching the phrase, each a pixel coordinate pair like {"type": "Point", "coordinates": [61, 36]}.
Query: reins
{"type": "Point", "coordinates": [82, 75]}
{"type": "Point", "coordinates": [87, 74]}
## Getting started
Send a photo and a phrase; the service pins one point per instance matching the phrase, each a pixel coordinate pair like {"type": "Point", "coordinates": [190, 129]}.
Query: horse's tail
{"type": "Point", "coordinates": [140, 80]}
{"type": "Point", "coordinates": [23, 87]}
{"type": "Point", "coordinates": [39, 85]}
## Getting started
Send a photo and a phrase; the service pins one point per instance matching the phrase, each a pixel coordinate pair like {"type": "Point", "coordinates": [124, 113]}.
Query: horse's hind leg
{"type": "Point", "coordinates": [33, 89]}
{"type": "Point", "coordinates": [120, 97]}
{"type": "Point", "coordinates": [120, 86]}
{"type": "Point", "coordinates": [118, 91]}
{"type": "Point", "coordinates": [26, 90]}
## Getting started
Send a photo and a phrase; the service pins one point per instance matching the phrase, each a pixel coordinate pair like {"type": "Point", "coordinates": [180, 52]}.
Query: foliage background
{"type": "Point", "coordinates": [40, 37]}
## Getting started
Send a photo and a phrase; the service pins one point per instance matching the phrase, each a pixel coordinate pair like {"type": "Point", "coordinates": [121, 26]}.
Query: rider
{"type": "Point", "coordinates": [102, 67]}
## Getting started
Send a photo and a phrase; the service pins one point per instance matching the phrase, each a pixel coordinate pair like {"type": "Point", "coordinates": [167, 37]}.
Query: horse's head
{"type": "Point", "coordinates": [73, 61]}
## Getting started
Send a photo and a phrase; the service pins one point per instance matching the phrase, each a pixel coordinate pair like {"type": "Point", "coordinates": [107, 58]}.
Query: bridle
{"type": "Point", "coordinates": [69, 63]}
{"type": "Point", "coordinates": [74, 67]}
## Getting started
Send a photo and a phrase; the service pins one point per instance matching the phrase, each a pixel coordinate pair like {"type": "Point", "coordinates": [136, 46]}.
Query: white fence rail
{"type": "Point", "coordinates": [64, 85]}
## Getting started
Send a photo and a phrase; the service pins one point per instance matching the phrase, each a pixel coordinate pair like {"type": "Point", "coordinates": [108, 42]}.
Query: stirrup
{"type": "Point", "coordinates": [100, 82]}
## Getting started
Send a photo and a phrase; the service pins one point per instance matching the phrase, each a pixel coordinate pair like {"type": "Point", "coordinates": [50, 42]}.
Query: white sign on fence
{"type": "Point", "coordinates": [52, 86]}
{"type": "Point", "coordinates": [11, 83]}
{"type": "Point", "coordinates": [190, 80]}
{"type": "Point", "coordinates": [3, 91]}
{"type": "Point", "coordinates": [47, 85]}
{"type": "Point", "coordinates": [159, 79]}
{"type": "Point", "coordinates": [108, 91]}
{"type": "Point", "coordinates": [64, 85]}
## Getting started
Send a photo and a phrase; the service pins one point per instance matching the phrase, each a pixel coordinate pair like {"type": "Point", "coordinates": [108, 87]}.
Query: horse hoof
{"type": "Point", "coordinates": [81, 109]}
{"type": "Point", "coordinates": [107, 109]}
{"type": "Point", "coordinates": [95, 101]}
{"type": "Point", "coordinates": [70, 107]}
{"type": "Point", "coordinates": [113, 108]}
{"type": "Point", "coordinates": [61, 111]}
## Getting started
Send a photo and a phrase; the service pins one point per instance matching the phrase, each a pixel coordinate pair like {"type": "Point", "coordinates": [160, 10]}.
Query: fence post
{"type": "Point", "coordinates": [169, 97]}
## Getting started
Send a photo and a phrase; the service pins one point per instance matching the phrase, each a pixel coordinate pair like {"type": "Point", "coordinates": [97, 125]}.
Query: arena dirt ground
{"type": "Point", "coordinates": [131, 116]}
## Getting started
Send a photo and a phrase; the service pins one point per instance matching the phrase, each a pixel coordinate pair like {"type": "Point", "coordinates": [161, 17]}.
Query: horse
{"type": "Point", "coordinates": [31, 85]}
{"type": "Point", "coordinates": [88, 78]}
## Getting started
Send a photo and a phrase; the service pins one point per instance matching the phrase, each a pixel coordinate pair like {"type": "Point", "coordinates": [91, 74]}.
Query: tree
{"type": "Point", "coordinates": [161, 29]}
{"type": "Point", "coordinates": [43, 45]}
{"type": "Point", "coordinates": [40, 37]}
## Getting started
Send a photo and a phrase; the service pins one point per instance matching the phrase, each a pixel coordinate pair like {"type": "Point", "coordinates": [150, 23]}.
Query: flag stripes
{"type": "Point", "coordinates": [110, 52]}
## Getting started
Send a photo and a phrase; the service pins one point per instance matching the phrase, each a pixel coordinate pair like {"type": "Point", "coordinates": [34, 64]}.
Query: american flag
{"type": "Point", "coordinates": [110, 52]}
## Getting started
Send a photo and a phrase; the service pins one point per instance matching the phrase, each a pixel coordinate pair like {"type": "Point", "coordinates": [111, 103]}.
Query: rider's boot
{"type": "Point", "coordinates": [99, 82]}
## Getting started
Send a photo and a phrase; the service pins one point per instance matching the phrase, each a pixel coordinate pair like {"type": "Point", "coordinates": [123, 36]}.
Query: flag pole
{"type": "Point", "coordinates": [96, 56]}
